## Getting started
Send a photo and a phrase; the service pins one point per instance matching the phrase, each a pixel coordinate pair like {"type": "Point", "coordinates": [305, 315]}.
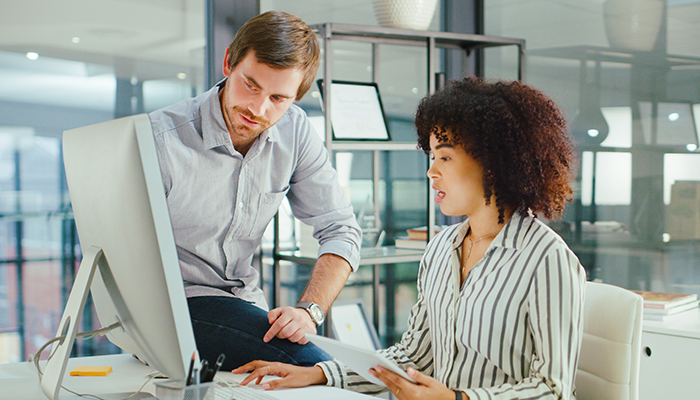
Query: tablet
{"type": "Point", "coordinates": [358, 359]}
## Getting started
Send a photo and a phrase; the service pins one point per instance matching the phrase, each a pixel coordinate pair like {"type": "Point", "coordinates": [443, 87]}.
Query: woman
{"type": "Point", "coordinates": [500, 296]}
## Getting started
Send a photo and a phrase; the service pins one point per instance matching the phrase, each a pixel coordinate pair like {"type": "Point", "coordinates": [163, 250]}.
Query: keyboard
{"type": "Point", "coordinates": [227, 390]}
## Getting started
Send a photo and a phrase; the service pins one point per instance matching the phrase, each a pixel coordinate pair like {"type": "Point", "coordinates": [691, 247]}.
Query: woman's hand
{"type": "Point", "coordinates": [425, 387]}
{"type": "Point", "coordinates": [292, 375]}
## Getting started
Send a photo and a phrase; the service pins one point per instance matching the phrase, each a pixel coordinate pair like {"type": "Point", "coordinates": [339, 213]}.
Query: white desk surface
{"type": "Point", "coordinates": [685, 324]}
{"type": "Point", "coordinates": [19, 381]}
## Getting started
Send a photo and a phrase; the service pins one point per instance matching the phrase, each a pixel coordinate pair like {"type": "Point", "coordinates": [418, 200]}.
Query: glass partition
{"type": "Point", "coordinates": [64, 65]}
{"type": "Point", "coordinates": [630, 93]}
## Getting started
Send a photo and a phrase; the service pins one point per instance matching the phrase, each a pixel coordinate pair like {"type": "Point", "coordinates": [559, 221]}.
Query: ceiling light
{"type": "Point", "coordinates": [673, 116]}
{"type": "Point", "coordinates": [75, 40]}
{"type": "Point", "coordinates": [182, 75]}
{"type": "Point", "coordinates": [32, 55]}
{"type": "Point", "coordinates": [691, 146]}
{"type": "Point", "coordinates": [589, 127]}
{"type": "Point", "coordinates": [415, 90]}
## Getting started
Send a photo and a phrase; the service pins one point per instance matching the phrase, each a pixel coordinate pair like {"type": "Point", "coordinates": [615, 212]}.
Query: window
{"type": "Point", "coordinates": [587, 62]}
{"type": "Point", "coordinates": [63, 66]}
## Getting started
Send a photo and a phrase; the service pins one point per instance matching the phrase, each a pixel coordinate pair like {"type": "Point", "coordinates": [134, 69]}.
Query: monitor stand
{"type": "Point", "coordinates": [70, 322]}
{"type": "Point", "coordinates": [55, 367]}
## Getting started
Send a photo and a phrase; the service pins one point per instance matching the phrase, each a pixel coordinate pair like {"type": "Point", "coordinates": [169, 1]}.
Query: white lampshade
{"type": "Point", "coordinates": [405, 14]}
{"type": "Point", "coordinates": [633, 24]}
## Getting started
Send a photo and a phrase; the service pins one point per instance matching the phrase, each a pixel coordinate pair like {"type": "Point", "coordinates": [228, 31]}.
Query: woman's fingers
{"type": "Point", "coordinates": [258, 370]}
{"type": "Point", "coordinates": [291, 375]}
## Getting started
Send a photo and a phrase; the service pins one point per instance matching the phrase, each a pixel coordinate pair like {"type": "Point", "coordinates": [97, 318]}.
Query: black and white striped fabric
{"type": "Point", "coordinates": [511, 331]}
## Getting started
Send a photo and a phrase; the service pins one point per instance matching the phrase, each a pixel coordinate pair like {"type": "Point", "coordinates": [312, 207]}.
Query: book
{"type": "Point", "coordinates": [404, 242]}
{"type": "Point", "coordinates": [421, 232]}
{"type": "Point", "coordinates": [671, 310]}
{"type": "Point", "coordinates": [666, 317]}
{"type": "Point", "coordinates": [665, 300]}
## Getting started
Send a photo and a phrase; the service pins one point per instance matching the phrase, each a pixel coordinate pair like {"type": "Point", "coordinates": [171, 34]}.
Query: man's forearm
{"type": "Point", "coordinates": [327, 280]}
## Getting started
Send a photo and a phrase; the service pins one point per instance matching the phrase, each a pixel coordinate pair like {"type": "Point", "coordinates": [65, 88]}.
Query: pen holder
{"type": "Point", "coordinates": [175, 389]}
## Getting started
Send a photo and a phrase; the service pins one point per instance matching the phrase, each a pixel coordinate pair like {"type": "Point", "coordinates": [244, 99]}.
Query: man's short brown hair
{"type": "Point", "coordinates": [280, 40]}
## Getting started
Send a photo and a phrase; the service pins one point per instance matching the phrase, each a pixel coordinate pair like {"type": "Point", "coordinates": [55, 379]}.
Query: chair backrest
{"type": "Point", "coordinates": [608, 367]}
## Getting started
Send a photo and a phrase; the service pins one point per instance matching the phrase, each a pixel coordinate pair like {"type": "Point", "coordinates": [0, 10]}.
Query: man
{"type": "Point", "coordinates": [228, 158]}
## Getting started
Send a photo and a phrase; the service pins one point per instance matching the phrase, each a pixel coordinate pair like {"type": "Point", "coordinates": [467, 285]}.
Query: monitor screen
{"type": "Point", "coordinates": [130, 263]}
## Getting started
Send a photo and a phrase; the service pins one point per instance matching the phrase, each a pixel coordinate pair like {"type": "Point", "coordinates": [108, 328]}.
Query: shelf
{"type": "Point", "coordinates": [605, 54]}
{"type": "Point", "coordinates": [374, 145]}
{"type": "Point", "coordinates": [383, 35]}
{"type": "Point", "coordinates": [368, 256]}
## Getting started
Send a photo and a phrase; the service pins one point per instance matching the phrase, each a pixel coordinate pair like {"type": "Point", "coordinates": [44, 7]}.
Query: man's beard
{"type": "Point", "coordinates": [244, 130]}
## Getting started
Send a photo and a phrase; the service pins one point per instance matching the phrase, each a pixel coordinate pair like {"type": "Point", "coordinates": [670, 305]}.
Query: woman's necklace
{"type": "Point", "coordinates": [471, 244]}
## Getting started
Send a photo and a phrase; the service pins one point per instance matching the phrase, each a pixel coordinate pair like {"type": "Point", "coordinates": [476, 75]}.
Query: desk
{"type": "Point", "coordinates": [670, 354]}
{"type": "Point", "coordinates": [19, 381]}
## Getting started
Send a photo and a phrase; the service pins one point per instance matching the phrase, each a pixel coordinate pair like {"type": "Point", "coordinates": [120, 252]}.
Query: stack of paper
{"type": "Point", "coordinates": [659, 306]}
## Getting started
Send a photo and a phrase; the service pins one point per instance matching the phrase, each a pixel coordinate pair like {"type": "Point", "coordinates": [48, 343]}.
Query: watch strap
{"type": "Point", "coordinates": [304, 304]}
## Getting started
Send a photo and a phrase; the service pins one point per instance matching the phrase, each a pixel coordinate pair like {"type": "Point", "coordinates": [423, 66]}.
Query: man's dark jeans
{"type": "Point", "coordinates": [236, 328]}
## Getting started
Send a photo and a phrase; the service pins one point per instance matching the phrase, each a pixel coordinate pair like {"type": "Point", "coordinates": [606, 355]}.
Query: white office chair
{"type": "Point", "coordinates": [608, 367]}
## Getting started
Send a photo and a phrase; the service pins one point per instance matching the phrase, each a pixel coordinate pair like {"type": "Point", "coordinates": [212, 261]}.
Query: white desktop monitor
{"type": "Point", "coordinates": [130, 262]}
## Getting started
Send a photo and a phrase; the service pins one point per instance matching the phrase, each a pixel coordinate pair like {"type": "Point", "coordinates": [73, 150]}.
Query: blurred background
{"type": "Point", "coordinates": [625, 72]}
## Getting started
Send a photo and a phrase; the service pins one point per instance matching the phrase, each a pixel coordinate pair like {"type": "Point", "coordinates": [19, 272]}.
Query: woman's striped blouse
{"type": "Point", "coordinates": [511, 331]}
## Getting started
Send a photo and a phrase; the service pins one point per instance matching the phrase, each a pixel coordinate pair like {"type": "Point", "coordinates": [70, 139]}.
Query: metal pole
{"type": "Point", "coordinates": [276, 286]}
{"type": "Point", "coordinates": [327, 79]}
{"type": "Point", "coordinates": [19, 233]}
{"type": "Point", "coordinates": [432, 53]}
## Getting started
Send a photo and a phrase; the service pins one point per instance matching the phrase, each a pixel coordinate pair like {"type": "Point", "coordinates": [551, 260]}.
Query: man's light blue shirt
{"type": "Point", "coordinates": [221, 202]}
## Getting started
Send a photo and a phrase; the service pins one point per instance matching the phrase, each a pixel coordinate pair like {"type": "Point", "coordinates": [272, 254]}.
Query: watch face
{"type": "Point", "coordinates": [316, 313]}
{"type": "Point", "coordinates": [314, 310]}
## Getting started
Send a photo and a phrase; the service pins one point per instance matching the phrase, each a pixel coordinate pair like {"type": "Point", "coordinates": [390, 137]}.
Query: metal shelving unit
{"type": "Point", "coordinates": [431, 41]}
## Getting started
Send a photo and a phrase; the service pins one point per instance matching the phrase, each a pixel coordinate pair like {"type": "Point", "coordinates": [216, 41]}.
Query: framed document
{"type": "Point", "coordinates": [350, 324]}
{"type": "Point", "coordinates": [357, 112]}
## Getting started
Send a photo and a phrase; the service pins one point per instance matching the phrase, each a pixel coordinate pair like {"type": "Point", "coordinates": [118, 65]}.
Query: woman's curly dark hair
{"type": "Point", "coordinates": [517, 134]}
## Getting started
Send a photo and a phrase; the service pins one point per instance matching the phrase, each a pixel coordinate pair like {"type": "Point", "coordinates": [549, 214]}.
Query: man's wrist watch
{"type": "Point", "coordinates": [314, 310]}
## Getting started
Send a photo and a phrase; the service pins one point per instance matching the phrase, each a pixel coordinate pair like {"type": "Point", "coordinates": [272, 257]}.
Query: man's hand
{"type": "Point", "coordinates": [289, 323]}
{"type": "Point", "coordinates": [327, 279]}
